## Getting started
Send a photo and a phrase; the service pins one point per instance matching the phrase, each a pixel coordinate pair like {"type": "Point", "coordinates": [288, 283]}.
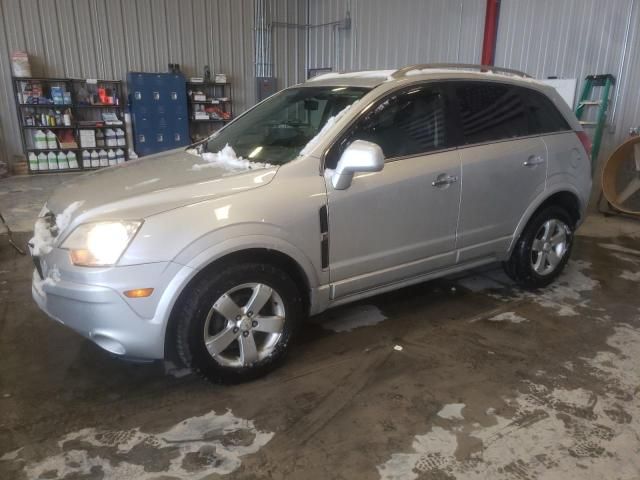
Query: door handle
{"type": "Point", "coordinates": [444, 180]}
{"type": "Point", "coordinates": [533, 161]}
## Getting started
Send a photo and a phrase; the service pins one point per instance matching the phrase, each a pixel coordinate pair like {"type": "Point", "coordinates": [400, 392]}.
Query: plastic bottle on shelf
{"type": "Point", "coordinates": [66, 118]}
{"type": "Point", "coordinates": [72, 159]}
{"type": "Point", "coordinates": [52, 160]}
{"type": "Point", "coordinates": [95, 159]}
{"type": "Point", "coordinates": [99, 138]}
{"type": "Point", "coordinates": [111, 155]}
{"type": "Point", "coordinates": [39, 140]}
{"type": "Point", "coordinates": [86, 159]}
{"type": "Point", "coordinates": [104, 158]}
{"type": "Point", "coordinates": [52, 140]}
{"type": "Point", "coordinates": [63, 163]}
{"type": "Point", "coordinates": [33, 161]}
{"type": "Point", "coordinates": [119, 156]}
{"type": "Point", "coordinates": [120, 140]}
{"type": "Point", "coordinates": [110, 138]}
{"type": "Point", "coordinates": [43, 162]}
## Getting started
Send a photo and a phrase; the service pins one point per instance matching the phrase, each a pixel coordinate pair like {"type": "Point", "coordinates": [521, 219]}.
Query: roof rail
{"type": "Point", "coordinates": [463, 66]}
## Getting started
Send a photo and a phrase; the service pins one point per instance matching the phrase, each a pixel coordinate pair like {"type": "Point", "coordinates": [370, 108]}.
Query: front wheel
{"type": "Point", "coordinates": [236, 324]}
{"type": "Point", "coordinates": [542, 250]}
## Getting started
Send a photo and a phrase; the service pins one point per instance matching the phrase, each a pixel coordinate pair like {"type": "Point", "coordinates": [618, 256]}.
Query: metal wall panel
{"type": "Point", "coordinates": [288, 47]}
{"type": "Point", "coordinates": [386, 34]}
{"type": "Point", "coordinates": [575, 38]}
{"type": "Point", "coordinates": [108, 38]}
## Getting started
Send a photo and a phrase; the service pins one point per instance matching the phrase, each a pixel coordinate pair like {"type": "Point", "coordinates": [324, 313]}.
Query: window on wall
{"type": "Point", "coordinates": [408, 123]}
{"type": "Point", "coordinates": [490, 112]}
{"type": "Point", "coordinates": [543, 116]}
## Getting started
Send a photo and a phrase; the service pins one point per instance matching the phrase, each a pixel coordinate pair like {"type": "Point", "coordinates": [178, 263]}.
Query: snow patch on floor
{"type": "Point", "coordinates": [573, 434]}
{"type": "Point", "coordinates": [626, 258]}
{"type": "Point", "coordinates": [512, 317]}
{"type": "Point", "coordinates": [355, 317]}
{"type": "Point", "coordinates": [633, 276]}
{"type": "Point", "coordinates": [570, 290]}
{"type": "Point", "coordinates": [195, 448]}
{"type": "Point", "coordinates": [619, 248]}
{"type": "Point", "coordinates": [452, 411]}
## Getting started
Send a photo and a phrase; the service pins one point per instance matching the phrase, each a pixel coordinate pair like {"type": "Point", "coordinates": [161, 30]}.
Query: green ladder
{"type": "Point", "coordinates": [606, 81]}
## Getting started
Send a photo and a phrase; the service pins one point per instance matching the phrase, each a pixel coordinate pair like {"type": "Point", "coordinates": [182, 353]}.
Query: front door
{"type": "Point", "coordinates": [400, 222]}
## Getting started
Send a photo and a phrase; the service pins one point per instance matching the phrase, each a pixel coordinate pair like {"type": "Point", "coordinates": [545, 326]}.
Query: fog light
{"type": "Point", "coordinates": [138, 293]}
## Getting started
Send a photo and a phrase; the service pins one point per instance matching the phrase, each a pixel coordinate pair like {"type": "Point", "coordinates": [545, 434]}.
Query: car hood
{"type": "Point", "coordinates": [157, 183]}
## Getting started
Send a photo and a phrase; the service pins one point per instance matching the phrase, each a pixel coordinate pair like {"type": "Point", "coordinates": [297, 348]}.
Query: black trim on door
{"type": "Point", "coordinates": [324, 237]}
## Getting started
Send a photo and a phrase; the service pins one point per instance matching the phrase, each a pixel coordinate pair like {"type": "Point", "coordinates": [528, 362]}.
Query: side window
{"type": "Point", "coordinates": [490, 112]}
{"type": "Point", "coordinates": [543, 116]}
{"type": "Point", "coordinates": [407, 123]}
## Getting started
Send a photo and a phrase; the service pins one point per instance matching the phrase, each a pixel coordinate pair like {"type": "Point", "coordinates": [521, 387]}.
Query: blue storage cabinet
{"type": "Point", "coordinates": [158, 106]}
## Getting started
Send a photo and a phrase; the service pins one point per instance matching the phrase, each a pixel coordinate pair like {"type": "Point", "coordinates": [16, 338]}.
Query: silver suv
{"type": "Point", "coordinates": [325, 193]}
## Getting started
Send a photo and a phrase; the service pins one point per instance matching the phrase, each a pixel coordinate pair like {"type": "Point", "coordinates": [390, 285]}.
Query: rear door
{"type": "Point", "coordinates": [504, 165]}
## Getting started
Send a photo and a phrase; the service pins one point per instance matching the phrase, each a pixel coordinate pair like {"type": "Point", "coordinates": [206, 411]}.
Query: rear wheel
{"type": "Point", "coordinates": [543, 249]}
{"type": "Point", "coordinates": [237, 324]}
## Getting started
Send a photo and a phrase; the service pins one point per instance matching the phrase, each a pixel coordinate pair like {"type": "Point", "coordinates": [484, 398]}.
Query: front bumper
{"type": "Point", "coordinates": [91, 302]}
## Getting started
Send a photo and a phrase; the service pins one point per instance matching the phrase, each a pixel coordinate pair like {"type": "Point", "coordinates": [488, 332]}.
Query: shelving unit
{"type": "Point", "coordinates": [219, 96]}
{"type": "Point", "coordinates": [79, 110]}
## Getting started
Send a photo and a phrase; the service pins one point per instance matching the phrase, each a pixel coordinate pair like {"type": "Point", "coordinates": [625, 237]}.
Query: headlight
{"type": "Point", "coordinates": [100, 244]}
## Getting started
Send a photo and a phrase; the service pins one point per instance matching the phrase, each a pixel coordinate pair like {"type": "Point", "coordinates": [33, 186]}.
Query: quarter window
{"type": "Point", "coordinates": [490, 112]}
{"type": "Point", "coordinates": [408, 123]}
{"type": "Point", "coordinates": [543, 115]}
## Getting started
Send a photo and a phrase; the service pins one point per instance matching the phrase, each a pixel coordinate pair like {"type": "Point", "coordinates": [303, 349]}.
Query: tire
{"type": "Point", "coordinates": [217, 310]}
{"type": "Point", "coordinates": [537, 260]}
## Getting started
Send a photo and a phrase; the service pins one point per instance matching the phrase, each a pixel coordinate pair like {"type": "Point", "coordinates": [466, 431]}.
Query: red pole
{"type": "Point", "coordinates": [490, 32]}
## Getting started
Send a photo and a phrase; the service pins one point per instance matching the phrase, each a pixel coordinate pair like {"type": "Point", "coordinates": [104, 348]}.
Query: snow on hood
{"type": "Point", "coordinates": [227, 159]}
{"type": "Point", "coordinates": [43, 237]}
{"type": "Point", "coordinates": [330, 123]}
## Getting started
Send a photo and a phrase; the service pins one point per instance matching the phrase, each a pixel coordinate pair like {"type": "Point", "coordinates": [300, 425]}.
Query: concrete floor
{"type": "Point", "coordinates": [461, 378]}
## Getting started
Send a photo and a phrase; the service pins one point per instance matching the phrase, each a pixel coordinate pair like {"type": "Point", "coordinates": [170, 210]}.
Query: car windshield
{"type": "Point", "coordinates": [277, 130]}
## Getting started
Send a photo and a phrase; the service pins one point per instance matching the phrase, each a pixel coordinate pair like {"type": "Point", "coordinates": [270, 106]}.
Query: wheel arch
{"type": "Point", "coordinates": [566, 198]}
{"type": "Point", "coordinates": [271, 256]}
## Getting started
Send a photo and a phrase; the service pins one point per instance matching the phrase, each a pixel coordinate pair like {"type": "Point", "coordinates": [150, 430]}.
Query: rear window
{"type": "Point", "coordinates": [490, 112]}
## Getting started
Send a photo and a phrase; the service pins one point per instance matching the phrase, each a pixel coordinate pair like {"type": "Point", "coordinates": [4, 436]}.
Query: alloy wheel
{"type": "Point", "coordinates": [550, 245]}
{"type": "Point", "coordinates": [244, 325]}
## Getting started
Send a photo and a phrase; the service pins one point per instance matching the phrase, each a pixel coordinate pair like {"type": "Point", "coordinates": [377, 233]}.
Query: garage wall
{"type": "Point", "coordinates": [575, 38]}
{"type": "Point", "coordinates": [387, 34]}
{"type": "Point", "coordinates": [108, 38]}
{"type": "Point", "coordinates": [564, 38]}
{"type": "Point", "coordinates": [289, 43]}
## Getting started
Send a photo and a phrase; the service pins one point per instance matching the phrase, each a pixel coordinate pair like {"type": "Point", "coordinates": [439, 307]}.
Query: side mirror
{"type": "Point", "coordinates": [360, 156]}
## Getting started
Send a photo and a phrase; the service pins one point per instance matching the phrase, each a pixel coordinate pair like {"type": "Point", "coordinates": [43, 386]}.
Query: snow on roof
{"type": "Point", "coordinates": [382, 74]}
{"type": "Point", "coordinates": [387, 75]}
{"type": "Point", "coordinates": [440, 71]}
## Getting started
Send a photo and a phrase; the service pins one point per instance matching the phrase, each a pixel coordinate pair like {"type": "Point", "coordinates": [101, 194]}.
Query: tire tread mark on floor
{"type": "Point", "coordinates": [332, 404]}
